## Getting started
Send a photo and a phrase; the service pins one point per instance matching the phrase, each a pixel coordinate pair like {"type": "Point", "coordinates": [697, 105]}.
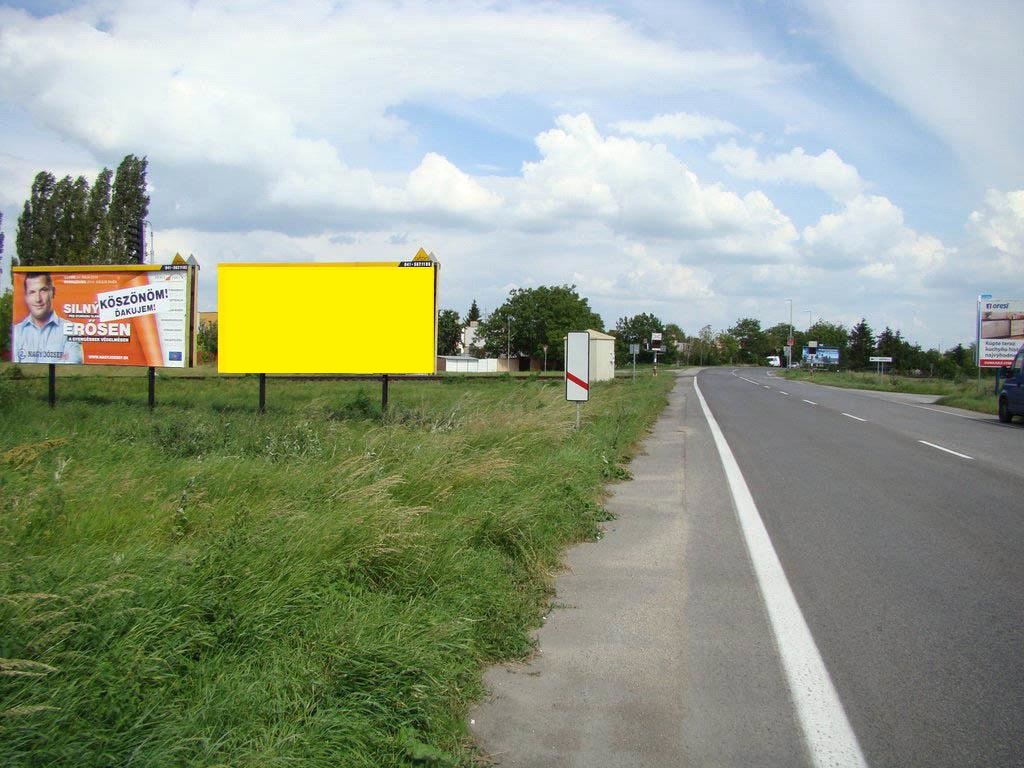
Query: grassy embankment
{"type": "Point", "coordinates": [966, 394]}
{"type": "Point", "coordinates": [205, 586]}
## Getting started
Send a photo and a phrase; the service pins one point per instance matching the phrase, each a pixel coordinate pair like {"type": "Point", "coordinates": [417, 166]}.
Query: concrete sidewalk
{"type": "Point", "coordinates": [656, 651]}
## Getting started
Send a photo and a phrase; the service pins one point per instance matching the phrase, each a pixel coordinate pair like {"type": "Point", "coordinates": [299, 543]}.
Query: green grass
{"type": "Point", "coordinates": [964, 394]}
{"type": "Point", "coordinates": [202, 585]}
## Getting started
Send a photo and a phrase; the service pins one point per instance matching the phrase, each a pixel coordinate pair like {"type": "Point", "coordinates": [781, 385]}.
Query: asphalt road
{"type": "Point", "coordinates": [899, 526]}
{"type": "Point", "coordinates": [907, 560]}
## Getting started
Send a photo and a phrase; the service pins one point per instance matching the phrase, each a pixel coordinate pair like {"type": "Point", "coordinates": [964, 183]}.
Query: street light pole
{"type": "Point", "coordinates": [789, 341]}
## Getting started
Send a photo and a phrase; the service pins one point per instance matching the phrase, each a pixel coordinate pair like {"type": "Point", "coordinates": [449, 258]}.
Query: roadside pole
{"type": "Point", "coordinates": [577, 369]}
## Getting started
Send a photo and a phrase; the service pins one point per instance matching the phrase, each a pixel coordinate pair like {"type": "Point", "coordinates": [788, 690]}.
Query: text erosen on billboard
{"type": "Point", "coordinates": [357, 317]}
{"type": "Point", "coordinates": [105, 315]}
{"type": "Point", "coordinates": [1000, 331]}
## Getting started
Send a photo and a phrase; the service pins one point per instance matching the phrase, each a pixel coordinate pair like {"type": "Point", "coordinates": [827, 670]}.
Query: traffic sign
{"type": "Point", "coordinates": [880, 359]}
{"type": "Point", "coordinates": [577, 366]}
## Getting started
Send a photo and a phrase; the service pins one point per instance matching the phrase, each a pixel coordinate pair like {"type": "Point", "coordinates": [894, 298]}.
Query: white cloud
{"type": "Point", "coordinates": [826, 171]}
{"type": "Point", "coordinates": [1000, 225]}
{"type": "Point", "coordinates": [642, 189]}
{"type": "Point", "coordinates": [869, 235]}
{"type": "Point", "coordinates": [678, 125]}
{"type": "Point", "coordinates": [955, 66]}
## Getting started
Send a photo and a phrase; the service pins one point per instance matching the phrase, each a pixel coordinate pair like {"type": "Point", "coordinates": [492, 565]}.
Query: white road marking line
{"type": "Point", "coordinates": [948, 413]}
{"type": "Point", "coordinates": [961, 455]}
{"type": "Point", "coordinates": [783, 393]}
{"type": "Point", "coordinates": [851, 416]}
{"type": "Point", "coordinates": [827, 732]}
{"type": "Point", "coordinates": [766, 386]}
{"type": "Point", "coordinates": [810, 402]}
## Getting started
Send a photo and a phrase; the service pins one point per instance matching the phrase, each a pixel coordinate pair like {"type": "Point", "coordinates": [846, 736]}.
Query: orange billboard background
{"type": "Point", "coordinates": [160, 338]}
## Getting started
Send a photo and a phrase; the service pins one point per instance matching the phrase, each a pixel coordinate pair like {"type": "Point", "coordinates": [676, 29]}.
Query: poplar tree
{"type": "Point", "coordinates": [129, 205]}
{"type": "Point", "coordinates": [71, 222]}
{"type": "Point", "coordinates": [101, 234]}
{"type": "Point", "coordinates": [35, 237]}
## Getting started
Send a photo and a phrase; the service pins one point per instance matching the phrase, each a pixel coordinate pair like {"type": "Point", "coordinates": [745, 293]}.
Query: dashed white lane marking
{"type": "Point", "coordinates": [783, 393]}
{"type": "Point", "coordinates": [810, 402]}
{"type": "Point", "coordinates": [933, 445]}
{"type": "Point", "coordinates": [851, 416]}
{"type": "Point", "coordinates": [766, 386]}
{"type": "Point", "coordinates": [830, 739]}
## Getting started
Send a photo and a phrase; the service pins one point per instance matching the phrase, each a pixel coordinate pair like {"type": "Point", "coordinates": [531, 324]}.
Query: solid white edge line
{"type": "Point", "coordinates": [933, 445]}
{"type": "Point", "coordinates": [948, 413]}
{"type": "Point", "coordinates": [851, 416]}
{"type": "Point", "coordinates": [827, 732]}
{"type": "Point", "coordinates": [810, 402]}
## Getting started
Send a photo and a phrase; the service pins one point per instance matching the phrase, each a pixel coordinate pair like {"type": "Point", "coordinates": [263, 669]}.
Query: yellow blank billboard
{"type": "Point", "coordinates": [356, 317]}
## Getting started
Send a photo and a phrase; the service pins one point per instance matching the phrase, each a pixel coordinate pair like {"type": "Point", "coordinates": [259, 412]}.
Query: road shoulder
{"type": "Point", "coordinates": [657, 650]}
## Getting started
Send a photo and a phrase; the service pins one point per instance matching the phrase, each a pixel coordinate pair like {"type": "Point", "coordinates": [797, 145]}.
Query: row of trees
{"type": "Point", "coordinates": [534, 317]}
{"type": "Point", "coordinates": [750, 344]}
{"type": "Point", "coordinates": [532, 322]}
{"type": "Point", "coordinates": [70, 221]}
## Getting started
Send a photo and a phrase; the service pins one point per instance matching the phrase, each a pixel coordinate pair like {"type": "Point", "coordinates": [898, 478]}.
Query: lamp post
{"type": "Point", "coordinates": [789, 341]}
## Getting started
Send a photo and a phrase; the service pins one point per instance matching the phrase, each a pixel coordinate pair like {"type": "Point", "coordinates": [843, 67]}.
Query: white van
{"type": "Point", "coordinates": [774, 361]}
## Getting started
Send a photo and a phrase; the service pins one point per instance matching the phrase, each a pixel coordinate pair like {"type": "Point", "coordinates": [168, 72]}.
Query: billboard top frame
{"type": "Point", "coordinates": [331, 264]}
{"type": "Point", "coordinates": [105, 268]}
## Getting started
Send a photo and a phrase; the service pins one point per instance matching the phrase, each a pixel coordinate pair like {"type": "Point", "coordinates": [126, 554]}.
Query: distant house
{"type": "Point", "coordinates": [468, 339]}
{"type": "Point", "coordinates": [602, 356]}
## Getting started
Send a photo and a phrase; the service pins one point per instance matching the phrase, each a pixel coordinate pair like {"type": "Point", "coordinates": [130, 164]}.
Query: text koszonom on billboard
{"type": "Point", "coordinates": [104, 315]}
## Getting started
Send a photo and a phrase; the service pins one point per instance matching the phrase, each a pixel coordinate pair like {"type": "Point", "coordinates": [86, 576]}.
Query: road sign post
{"type": "Point", "coordinates": [633, 350]}
{"type": "Point", "coordinates": [577, 369]}
{"type": "Point", "coordinates": [881, 360]}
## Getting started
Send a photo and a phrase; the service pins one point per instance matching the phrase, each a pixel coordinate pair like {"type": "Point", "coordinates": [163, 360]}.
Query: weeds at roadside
{"type": "Point", "coordinates": [314, 586]}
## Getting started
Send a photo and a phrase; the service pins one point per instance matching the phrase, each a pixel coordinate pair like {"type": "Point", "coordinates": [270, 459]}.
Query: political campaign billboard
{"type": "Point", "coordinates": [351, 317]}
{"type": "Point", "coordinates": [1000, 330]}
{"type": "Point", "coordinates": [823, 356]}
{"type": "Point", "coordinates": [141, 315]}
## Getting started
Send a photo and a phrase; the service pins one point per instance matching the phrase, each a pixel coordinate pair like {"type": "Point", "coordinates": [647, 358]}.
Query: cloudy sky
{"type": "Point", "coordinates": [701, 161]}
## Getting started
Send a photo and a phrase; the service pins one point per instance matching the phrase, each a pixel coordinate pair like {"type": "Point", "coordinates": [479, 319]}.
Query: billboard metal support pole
{"type": "Point", "coordinates": [53, 385]}
{"type": "Point", "coordinates": [152, 387]}
{"type": "Point", "coordinates": [383, 394]}
{"type": "Point", "coordinates": [263, 393]}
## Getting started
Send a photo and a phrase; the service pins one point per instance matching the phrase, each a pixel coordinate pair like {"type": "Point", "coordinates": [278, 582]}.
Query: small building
{"type": "Point", "coordinates": [466, 364]}
{"type": "Point", "coordinates": [469, 337]}
{"type": "Point", "coordinates": [602, 356]}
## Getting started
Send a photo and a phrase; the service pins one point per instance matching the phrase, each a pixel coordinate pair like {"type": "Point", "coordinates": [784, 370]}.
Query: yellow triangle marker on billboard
{"type": "Point", "coordinates": [421, 255]}
{"type": "Point", "coordinates": [179, 259]}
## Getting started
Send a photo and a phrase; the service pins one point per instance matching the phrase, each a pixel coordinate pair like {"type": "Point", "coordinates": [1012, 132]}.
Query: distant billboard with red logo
{"type": "Point", "coordinates": [1000, 330]}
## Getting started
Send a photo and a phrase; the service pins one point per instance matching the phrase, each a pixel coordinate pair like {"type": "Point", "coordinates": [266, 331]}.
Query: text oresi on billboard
{"type": "Point", "coordinates": [1000, 331]}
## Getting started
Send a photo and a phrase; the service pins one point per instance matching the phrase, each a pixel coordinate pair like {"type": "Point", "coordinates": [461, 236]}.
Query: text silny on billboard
{"type": "Point", "coordinates": [105, 315]}
{"type": "Point", "coordinates": [351, 317]}
{"type": "Point", "coordinates": [1000, 331]}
